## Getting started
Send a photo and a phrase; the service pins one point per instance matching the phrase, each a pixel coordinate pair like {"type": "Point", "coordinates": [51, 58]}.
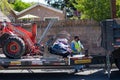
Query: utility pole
{"type": "Point", "coordinates": [113, 8]}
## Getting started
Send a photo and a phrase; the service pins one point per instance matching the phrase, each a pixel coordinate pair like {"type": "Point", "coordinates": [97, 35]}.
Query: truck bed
{"type": "Point", "coordinates": [44, 63]}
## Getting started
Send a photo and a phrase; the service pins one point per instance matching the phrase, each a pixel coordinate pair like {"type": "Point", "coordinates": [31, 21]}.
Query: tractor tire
{"type": "Point", "coordinates": [117, 63]}
{"type": "Point", "coordinates": [14, 47]}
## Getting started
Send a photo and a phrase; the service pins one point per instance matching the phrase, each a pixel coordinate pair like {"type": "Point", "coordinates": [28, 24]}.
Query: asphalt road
{"type": "Point", "coordinates": [115, 75]}
{"type": "Point", "coordinates": [93, 74]}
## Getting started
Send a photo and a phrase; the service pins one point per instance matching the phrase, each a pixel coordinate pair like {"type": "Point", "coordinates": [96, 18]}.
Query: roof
{"type": "Point", "coordinates": [3, 17]}
{"type": "Point", "coordinates": [30, 16]}
{"type": "Point", "coordinates": [43, 5]}
{"type": "Point", "coordinates": [16, 12]}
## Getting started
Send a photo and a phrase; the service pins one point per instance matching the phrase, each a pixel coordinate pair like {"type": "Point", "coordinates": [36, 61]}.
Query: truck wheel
{"type": "Point", "coordinates": [116, 57]}
{"type": "Point", "coordinates": [14, 47]}
{"type": "Point", "coordinates": [117, 62]}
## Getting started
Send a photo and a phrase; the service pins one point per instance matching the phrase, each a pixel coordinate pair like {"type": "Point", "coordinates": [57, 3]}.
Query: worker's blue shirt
{"type": "Point", "coordinates": [73, 47]}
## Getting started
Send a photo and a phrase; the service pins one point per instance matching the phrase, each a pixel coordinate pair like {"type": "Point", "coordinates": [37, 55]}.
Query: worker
{"type": "Point", "coordinates": [77, 48]}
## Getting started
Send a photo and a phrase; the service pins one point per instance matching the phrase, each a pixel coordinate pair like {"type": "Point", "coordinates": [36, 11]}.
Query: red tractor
{"type": "Point", "coordinates": [15, 41]}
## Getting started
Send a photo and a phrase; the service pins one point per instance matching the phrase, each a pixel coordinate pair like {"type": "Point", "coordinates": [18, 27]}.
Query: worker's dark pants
{"type": "Point", "coordinates": [77, 67]}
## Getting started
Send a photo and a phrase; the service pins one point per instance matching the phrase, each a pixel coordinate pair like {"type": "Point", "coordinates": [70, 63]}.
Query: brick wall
{"type": "Point", "coordinates": [88, 31]}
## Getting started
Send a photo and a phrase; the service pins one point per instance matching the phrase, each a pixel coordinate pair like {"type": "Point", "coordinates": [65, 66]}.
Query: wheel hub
{"type": "Point", "coordinates": [13, 47]}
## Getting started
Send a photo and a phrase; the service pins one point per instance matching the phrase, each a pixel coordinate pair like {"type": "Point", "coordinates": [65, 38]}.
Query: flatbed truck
{"type": "Point", "coordinates": [63, 65]}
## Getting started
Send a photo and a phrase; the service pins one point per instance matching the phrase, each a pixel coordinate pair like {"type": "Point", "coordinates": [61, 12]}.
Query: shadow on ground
{"type": "Point", "coordinates": [99, 75]}
{"type": "Point", "coordinates": [115, 75]}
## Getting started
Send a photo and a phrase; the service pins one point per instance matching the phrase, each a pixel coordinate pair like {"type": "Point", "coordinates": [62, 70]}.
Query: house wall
{"type": "Point", "coordinates": [43, 12]}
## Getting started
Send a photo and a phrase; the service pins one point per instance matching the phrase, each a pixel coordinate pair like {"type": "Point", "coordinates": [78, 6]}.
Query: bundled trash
{"type": "Point", "coordinates": [61, 46]}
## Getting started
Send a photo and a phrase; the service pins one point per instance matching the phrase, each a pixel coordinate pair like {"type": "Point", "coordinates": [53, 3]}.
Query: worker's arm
{"type": "Point", "coordinates": [73, 47]}
{"type": "Point", "coordinates": [82, 47]}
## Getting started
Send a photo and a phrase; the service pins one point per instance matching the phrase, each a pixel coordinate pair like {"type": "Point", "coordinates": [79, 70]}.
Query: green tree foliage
{"type": "Point", "coordinates": [118, 7]}
{"type": "Point", "coordinates": [18, 5]}
{"type": "Point", "coordinates": [89, 9]}
{"type": "Point", "coordinates": [11, 1]}
{"type": "Point", "coordinates": [4, 6]}
{"type": "Point", "coordinates": [93, 9]}
{"type": "Point", "coordinates": [60, 4]}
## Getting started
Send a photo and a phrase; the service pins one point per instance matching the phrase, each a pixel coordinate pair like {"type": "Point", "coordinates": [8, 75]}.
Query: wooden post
{"type": "Point", "coordinates": [113, 8]}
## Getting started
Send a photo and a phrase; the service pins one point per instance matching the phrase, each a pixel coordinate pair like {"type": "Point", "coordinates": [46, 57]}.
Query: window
{"type": "Point", "coordinates": [51, 18]}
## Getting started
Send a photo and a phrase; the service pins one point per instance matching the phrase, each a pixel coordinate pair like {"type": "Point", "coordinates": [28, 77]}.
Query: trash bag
{"type": "Point", "coordinates": [58, 50]}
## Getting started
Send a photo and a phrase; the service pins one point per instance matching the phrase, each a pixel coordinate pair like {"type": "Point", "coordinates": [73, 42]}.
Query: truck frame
{"type": "Point", "coordinates": [37, 62]}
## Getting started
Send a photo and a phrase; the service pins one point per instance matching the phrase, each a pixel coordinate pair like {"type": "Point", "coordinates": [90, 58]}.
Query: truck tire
{"type": "Point", "coordinates": [14, 47]}
{"type": "Point", "coordinates": [116, 57]}
{"type": "Point", "coordinates": [117, 62]}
